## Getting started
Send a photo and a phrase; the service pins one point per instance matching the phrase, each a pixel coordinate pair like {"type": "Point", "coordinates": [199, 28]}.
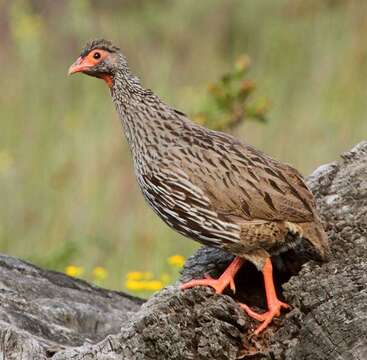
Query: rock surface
{"type": "Point", "coordinates": [47, 315]}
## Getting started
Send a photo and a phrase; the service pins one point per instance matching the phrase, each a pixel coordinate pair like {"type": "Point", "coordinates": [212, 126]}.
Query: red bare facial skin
{"type": "Point", "coordinates": [107, 79]}
{"type": "Point", "coordinates": [85, 63]}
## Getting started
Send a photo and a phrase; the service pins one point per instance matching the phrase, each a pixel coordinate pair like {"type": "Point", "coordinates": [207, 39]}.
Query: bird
{"type": "Point", "coordinates": [208, 185]}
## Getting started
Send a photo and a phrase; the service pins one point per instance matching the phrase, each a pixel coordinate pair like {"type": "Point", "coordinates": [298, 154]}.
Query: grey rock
{"type": "Point", "coordinates": [45, 315]}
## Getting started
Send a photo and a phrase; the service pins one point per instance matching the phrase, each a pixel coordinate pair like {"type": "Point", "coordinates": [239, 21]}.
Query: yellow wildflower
{"type": "Point", "coordinates": [138, 275]}
{"type": "Point", "coordinates": [99, 273]}
{"type": "Point", "coordinates": [153, 285]}
{"type": "Point", "coordinates": [149, 285]}
{"type": "Point", "coordinates": [134, 275]}
{"type": "Point", "coordinates": [74, 271]}
{"type": "Point", "coordinates": [176, 260]}
{"type": "Point", "coordinates": [134, 285]}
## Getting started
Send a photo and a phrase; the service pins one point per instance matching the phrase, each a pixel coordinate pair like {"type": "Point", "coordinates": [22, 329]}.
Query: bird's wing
{"type": "Point", "coordinates": [244, 183]}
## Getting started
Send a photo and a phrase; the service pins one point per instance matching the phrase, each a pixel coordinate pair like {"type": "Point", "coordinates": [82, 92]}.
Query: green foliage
{"type": "Point", "coordinates": [59, 257]}
{"type": "Point", "coordinates": [231, 101]}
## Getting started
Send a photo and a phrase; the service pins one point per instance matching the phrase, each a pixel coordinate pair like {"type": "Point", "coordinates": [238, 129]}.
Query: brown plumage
{"type": "Point", "coordinates": [205, 184]}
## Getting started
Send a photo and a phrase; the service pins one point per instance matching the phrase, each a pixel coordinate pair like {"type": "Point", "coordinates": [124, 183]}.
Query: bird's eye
{"type": "Point", "coordinates": [97, 55]}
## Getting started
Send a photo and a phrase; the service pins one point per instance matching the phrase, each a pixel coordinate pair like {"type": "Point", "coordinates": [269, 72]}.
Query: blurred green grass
{"type": "Point", "coordinates": [67, 190]}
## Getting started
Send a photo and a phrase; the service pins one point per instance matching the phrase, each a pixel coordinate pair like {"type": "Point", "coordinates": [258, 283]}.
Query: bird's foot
{"type": "Point", "coordinates": [267, 317]}
{"type": "Point", "coordinates": [225, 280]}
{"type": "Point", "coordinates": [217, 284]}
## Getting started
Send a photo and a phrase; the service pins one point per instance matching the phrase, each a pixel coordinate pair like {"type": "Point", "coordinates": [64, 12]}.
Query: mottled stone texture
{"type": "Point", "coordinates": [46, 315]}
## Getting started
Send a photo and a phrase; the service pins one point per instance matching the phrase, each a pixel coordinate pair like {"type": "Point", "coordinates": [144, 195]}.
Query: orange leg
{"type": "Point", "coordinates": [274, 304]}
{"type": "Point", "coordinates": [227, 278]}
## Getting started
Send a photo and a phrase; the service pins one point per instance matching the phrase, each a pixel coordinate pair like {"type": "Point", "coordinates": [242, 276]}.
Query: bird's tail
{"type": "Point", "coordinates": [316, 235]}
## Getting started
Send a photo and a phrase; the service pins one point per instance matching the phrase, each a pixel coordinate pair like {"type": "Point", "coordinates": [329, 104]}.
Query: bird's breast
{"type": "Point", "coordinates": [185, 208]}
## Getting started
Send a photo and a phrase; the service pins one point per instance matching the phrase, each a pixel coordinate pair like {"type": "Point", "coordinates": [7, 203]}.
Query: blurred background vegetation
{"type": "Point", "coordinates": [67, 190]}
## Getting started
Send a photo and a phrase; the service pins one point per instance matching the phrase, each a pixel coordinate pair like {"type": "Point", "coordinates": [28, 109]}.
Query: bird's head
{"type": "Point", "coordinates": [100, 59]}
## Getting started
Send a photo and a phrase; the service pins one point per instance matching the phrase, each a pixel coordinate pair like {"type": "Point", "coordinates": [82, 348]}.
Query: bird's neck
{"type": "Point", "coordinates": [146, 120]}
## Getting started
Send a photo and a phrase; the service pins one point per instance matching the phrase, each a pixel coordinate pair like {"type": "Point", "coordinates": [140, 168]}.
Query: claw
{"type": "Point", "coordinates": [232, 286]}
{"type": "Point", "coordinates": [267, 317]}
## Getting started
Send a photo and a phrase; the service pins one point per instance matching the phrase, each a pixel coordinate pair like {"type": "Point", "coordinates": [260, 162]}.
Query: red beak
{"type": "Point", "coordinates": [80, 65]}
